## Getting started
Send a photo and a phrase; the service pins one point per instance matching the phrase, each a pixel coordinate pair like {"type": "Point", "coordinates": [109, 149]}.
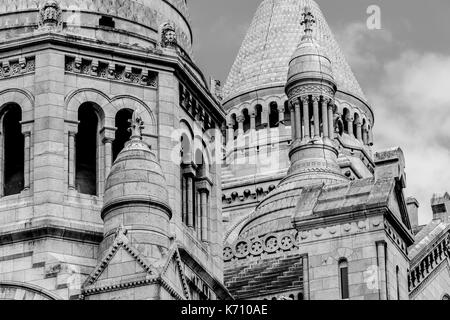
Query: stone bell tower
{"type": "Point", "coordinates": [311, 89]}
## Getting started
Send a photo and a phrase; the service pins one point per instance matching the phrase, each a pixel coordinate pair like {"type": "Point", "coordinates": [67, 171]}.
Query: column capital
{"type": "Point", "coordinates": [189, 169]}
{"type": "Point", "coordinates": [315, 98]}
{"type": "Point", "coordinates": [358, 123]}
{"type": "Point", "coordinates": [281, 108]}
{"type": "Point", "coordinates": [327, 100]}
{"type": "Point", "coordinates": [253, 114]}
{"type": "Point", "coordinates": [240, 118]}
{"type": "Point", "coordinates": [304, 99]}
{"type": "Point", "coordinates": [349, 118]}
{"type": "Point", "coordinates": [204, 185]}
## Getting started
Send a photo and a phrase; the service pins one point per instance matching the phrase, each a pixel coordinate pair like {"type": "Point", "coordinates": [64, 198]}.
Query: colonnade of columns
{"type": "Point", "coordinates": [195, 202]}
{"type": "Point", "coordinates": [313, 118]}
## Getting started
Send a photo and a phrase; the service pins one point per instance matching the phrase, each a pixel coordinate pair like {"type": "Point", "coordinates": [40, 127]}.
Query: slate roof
{"type": "Point", "coordinates": [271, 40]}
{"type": "Point", "coordinates": [266, 276]}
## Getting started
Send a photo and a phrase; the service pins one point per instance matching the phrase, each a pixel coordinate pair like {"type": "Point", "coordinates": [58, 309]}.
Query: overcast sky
{"type": "Point", "coordinates": [404, 69]}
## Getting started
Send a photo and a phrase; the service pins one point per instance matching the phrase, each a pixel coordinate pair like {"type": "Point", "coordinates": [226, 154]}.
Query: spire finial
{"type": "Point", "coordinates": [308, 20]}
{"type": "Point", "coordinates": [136, 126]}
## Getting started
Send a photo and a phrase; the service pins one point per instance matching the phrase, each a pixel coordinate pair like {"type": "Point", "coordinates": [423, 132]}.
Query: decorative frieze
{"type": "Point", "coordinates": [111, 71]}
{"type": "Point", "coordinates": [17, 67]}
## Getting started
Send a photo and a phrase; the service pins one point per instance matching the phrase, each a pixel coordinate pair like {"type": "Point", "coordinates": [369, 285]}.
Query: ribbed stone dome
{"type": "Point", "coordinates": [136, 177]}
{"type": "Point", "coordinates": [310, 61]}
{"type": "Point", "coordinates": [270, 43]}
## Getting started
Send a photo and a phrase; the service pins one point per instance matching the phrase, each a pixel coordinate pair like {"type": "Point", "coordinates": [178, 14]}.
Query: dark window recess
{"type": "Point", "coordinates": [122, 132]}
{"type": "Point", "coordinates": [107, 22]}
{"type": "Point", "coordinates": [13, 151]}
{"type": "Point", "coordinates": [344, 282]}
{"type": "Point", "coordinates": [86, 150]}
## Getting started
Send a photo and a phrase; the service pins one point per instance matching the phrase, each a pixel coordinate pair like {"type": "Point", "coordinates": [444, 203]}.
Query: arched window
{"type": "Point", "coordinates": [343, 278]}
{"type": "Point", "coordinates": [287, 114]}
{"type": "Point", "coordinates": [446, 297]}
{"type": "Point", "coordinates": [356, 120]}
{"type": "Point", "coordinates": [273, 115]}
{"type": "Point", "coordinates": [86, 150]}
{"type": "Point", "coordinates": [246, 120]}
{"type": "Point", "coordinates": [13, 151]}
{"type": "Point", "coordinates": [300, 296]}
{"type": "Point", "coordinates": [258, 119]}
{"type": "Point", "coordinates": [235, 125]}
{"type": "Point", "coordinates": [186, 180]}
{"type": "Point", "coordinates": [122, 132]}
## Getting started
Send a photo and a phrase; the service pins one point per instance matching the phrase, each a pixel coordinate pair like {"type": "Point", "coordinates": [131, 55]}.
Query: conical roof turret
{"type": "Point", "coordinates": [273, 37]}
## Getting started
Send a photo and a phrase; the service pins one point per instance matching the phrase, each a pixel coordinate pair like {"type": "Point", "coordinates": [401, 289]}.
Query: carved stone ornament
{"type": "Point", "coordinates": [50, 16]}
{"type": "Point", "coordinates": [168, 36]}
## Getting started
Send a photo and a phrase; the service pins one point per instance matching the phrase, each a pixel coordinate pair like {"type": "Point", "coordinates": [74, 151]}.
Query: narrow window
{"type": "Point", "coordinates": [343, 277]}
{"type": "Point", "coordinates": [397, 275]}
{"type": "Point", "coordinates": [106, 22]}
{"type": "Point", "coordinates": [14, 145]}
{"type": "Point", "coordinates": [274, 115]}
{"type": "Point", "coordinates": [287, 114]}
{"type": "Point", "coordinates": [86, 150]}
{"type": "Point", "coordinates": [122, 132]}
{"type": "Point", "coordinates": [258, 119]}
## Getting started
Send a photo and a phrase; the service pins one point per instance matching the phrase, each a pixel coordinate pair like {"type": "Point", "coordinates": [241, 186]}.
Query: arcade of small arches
{"type": "Point", "coordinates": [196, 182]}
{"type": "Point", "coordinates": [313, 116]}
{"type": "Point", "coordinates": [96, 131]}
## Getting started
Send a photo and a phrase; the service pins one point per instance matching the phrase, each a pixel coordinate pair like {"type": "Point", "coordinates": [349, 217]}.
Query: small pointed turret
{"type": "Point", "coordinates": [311, 89]}
{"type": "Point", "coordinates": [136, 197]}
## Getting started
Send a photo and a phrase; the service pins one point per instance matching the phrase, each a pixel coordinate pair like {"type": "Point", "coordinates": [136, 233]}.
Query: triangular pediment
{"type": "Point", "coordinates": [120, 264]}
{"type": "Point", "coordinates": [173, 274]}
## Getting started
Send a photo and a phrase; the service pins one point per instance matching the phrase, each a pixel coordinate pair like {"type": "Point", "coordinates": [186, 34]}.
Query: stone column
{"type": "Point", "coordinates": [331, 121]}
{"type": "Point", "coordinates": [316, 116]}
{"type": "Point", "coordinates": [293, 121]}
{"type": "Point", "coordinates": [71, 168]}
{"type": "Point", "coordinates": [108, 156]}
{"type": "Point", "coordinates": [365, 134]}
{"type": "Point", "coordinates": [350, 120]}
{"type": "Point", "coordinates": [359, 130]}
{"type": "Point", "coordinates": [190, 201]}
{"type": "Point", "coordinates": [305, 102]}
{"type": "Point", "coordinates": [325, 120]}
{"type": "Point", "coordinates": [204, 218]}
{"type": "Point", "coordinates": [370, 132]}
{"type": "Point", "coordinates": [230, 134]}
{"type": "Point", "coordinates": [27, 128]}
{"type": "Point", "coordinates": [281, 117]}
{"type": "Point", "coordinates": [298, 121]}
{"type": "Point", "coordinates": [204, 189]}
{"type": "Point", "coordinates": [382, 281]}
{"type": "Point", "coordinates": [27, 159]}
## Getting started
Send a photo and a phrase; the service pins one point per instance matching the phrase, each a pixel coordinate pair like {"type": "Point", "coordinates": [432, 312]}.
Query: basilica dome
{"type": "Point", "coordinates": [133, 22]}
{"type": "Point", "coordinates": [273, 37]}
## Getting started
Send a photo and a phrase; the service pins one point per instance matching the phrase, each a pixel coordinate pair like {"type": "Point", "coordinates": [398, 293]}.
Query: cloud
{"type": "Point", "coordinates": [362, 46]}
{"type": "Point", "coordinates": [409, 92]}
{"type": "Point", "coordinates": [411, 111]}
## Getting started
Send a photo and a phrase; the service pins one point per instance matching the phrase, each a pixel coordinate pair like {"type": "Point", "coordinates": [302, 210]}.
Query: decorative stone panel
{"type": "Point", "coordinates": [17, 67]}
{"type": "Point", "coordinates": [111, 71]}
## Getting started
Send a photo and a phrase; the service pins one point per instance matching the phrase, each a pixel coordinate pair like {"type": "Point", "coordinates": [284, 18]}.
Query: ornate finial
{"type": "Point", "coordinates": [50, 16]}
{"type": "Point", "coordinates": [308, 20]}
{"type": "Point", "coordinates": [168, 35]}
{"type": "Point", "coordinates": [136, 126]}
